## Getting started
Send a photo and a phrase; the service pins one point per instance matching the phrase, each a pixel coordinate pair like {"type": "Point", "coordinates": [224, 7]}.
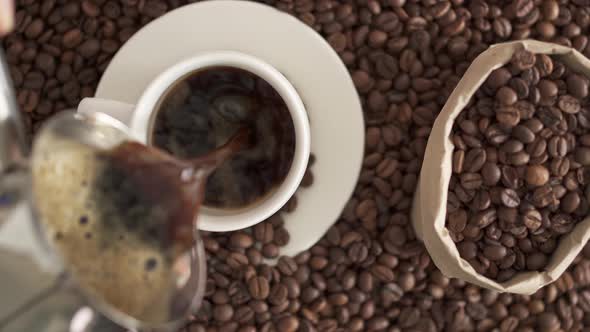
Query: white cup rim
{"type": "Point", "coordinates": [142, 119]}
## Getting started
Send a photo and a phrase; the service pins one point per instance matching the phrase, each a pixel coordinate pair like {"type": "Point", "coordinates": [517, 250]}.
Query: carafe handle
{"type": "Point", "coordinates": [116, 109]}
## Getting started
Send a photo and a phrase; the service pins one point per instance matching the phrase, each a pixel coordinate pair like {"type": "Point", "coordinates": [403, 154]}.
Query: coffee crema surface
{"type": "Point", "coordinates": [205, 108]}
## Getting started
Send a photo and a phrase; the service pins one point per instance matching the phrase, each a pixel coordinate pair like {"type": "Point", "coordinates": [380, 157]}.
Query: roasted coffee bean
{"type": "Point", "coordinates": [523, 134]}
{"type": "Point", "coordinates": [475, 159]}
{"type": "Point", "coordinates": [89, 48]}
{"type": "Point", "coordinates": [471, 181]}
{"type": "Point", "coordinates": [223, 312]}
{"type": "Point", "coordinates": [264, 232]}
{"type": "Point", "coordinates": [469, 127]}
{"type": "Point", "coordinates": [491, 174]}
{"type": "Point", "coordinates": [582, 155]}
{"type": "Point", "coordinates": [510, 198]}
{"type": "Point", "coordinates": [382, 273]}
{"type": "Point", "coordinates": [544, 64]}
{"type": "Point", "coordinates": [258, 288]}
{"type": "Point", "coordinates": [458, 161]}
{"type": "Point", "coordinates": [281, 237]}
{"type": "Point", "coordinates": [495, 252]}
{"type": "Point", "coordinates": [535, 125]}
{"type": "Point", "coordinates": [532, 219]}
{"type": "Point", "coordinates": [560, 167]}
{"type": "Point", "coordinates": [523, 59]}
{"type": "Point", "coordinates": [484, 218]}
{"type": "Point", "coordinates": [570, 202]}
{"type": "Point", "coordinates": [498, 78]}
{"type": "Point", "coordinates": [468, 250]}
{"type": "Point", "coordinates": [557, 147]}
{"type": "Point", "coordinates": [481, 201]}
{"type": "Point", "coordinates": [525, 109]}
{"type": "Point", "coordinates": [512, 146]}
{"type": "Point", "coordinates": [508, 215]}
{"type": "Point", "coordinates": [495, 134]}
{"type": "Point", "coordinates": [241, 240]}
{"type": "Point", "coordinates": [72, 38]}
{"type": "Point", "coordinates": [536, 261]}
{"type": "Point", "coordinates": [457, 221]}
{"type": "Point", "coordinates": [518, 159]}
{"type": "Point", "coordinates": [537, 175]}
{"type": "Point", "coordinates": [508, 115]}
{"type": "Point", "coordinates": [521, 87]}
{"type": "Point", "coordinates": [288, 323]}
{"type": "Point", "coordinates": [510, 177]}
{"type": "Point", "coordinates": [550, 116]}
{"type": "Point", "coordinates": [506, 96]}
{"type": "Point", "coordinates": [386, 66]}
{"type": "Point", "coordinates": [561, 223]}
{"type": "Point", "coordinates": [577, 86]}
{"type": "Point", "coordinates": [537, 148]}
{"type": "Point", "coordinates": [543, 196]}
{"type": "Point", "coordinates": [569, 104]}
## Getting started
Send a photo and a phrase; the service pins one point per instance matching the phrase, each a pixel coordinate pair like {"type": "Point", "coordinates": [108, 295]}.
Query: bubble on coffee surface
{"type": "Point", "coordinates": [113, 233]}
{"type": "Point", "coordinates": [201, 112]}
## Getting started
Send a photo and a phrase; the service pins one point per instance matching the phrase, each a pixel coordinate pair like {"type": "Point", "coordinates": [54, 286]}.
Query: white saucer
{"type": "Point", "coordinates": [337, 126]}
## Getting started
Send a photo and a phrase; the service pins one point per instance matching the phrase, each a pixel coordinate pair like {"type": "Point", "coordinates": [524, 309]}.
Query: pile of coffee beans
{"type": "Point", "coordinates": [520, 166]}
{"type": "Point", "coordinates": [369, 273]}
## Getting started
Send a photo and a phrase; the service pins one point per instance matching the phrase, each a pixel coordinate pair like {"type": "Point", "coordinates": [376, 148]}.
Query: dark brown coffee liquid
{"type": "Point", "coordinates": [202, 111]}
{"type": "Point", "coordinates": [130, 186]}
{"type": "Point", "coordinates": [155, 195]}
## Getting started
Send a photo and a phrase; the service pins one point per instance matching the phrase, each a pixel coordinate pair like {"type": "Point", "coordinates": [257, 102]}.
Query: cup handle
{"type": "Point", "coordinates": [116, 109]}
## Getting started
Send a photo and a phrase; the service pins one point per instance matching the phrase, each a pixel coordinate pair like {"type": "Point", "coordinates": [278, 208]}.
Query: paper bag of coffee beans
{"type": "Point", "coordinates": [502, 200]}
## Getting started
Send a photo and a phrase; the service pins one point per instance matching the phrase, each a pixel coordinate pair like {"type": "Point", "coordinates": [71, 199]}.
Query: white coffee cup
{"type": "Point", "coordinates": [140, 118]}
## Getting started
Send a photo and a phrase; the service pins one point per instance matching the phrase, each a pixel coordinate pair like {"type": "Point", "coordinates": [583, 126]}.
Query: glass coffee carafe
{"type": "Point", "coordinates": [50, 287]}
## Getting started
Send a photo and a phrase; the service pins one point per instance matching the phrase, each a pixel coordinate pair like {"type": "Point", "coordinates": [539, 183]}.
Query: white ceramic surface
{"type": "Point", "coordinates": [143, 114]}
{"type": "Point", "coordinates": [299, 53]}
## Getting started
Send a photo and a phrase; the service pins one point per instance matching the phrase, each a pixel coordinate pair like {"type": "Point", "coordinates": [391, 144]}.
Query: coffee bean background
{"type": "Point", "coordinates": [368, 273]}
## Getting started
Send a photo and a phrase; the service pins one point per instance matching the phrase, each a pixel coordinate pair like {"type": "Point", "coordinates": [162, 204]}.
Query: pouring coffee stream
{"type": "Point", "coordinates": [160, 179]}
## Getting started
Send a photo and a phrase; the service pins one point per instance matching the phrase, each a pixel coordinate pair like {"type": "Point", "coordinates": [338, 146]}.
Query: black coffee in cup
{"type": "Point", "coordinates": [207, 107]}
